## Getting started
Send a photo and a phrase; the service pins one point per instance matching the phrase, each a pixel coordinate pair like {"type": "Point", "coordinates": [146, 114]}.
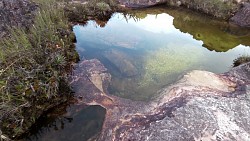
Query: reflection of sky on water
{"type": "Point", "coordinates": [161, 23]}
{"type": "Point", "coordinates": [156, 48]}
{"type": "Point", "coordinates": [151, 32]}
{"type": "Point", "coordinates": [130, 33]}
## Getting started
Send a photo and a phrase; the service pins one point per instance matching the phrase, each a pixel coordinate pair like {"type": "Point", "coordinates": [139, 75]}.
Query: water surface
{"type": "Point", "coordinates": [150, 49]}
{"type": "Point", "coordinates": [144, 51]}
{"type": "Point", "coordinates": [69, 123]}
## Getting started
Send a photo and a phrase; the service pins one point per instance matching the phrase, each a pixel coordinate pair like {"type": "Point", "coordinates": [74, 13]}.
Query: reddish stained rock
{"type": "Point", "coordinates": [200, 106]}
{"type": "Point", "coordinates": [242, 17]}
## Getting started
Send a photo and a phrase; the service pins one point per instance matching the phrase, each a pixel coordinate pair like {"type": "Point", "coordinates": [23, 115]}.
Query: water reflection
{"type": "Point", "coordinates": [216, 35]}
{"type": "Point", "coordinates": [150, 48]}
{"type": "Point", "coordinates": [75, 123]}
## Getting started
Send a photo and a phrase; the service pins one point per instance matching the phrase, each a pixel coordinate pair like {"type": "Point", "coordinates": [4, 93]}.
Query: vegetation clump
{"type": "Point", "coordinates": [33, 68]}
{"type": "Point", "coordinates": [35, 62]}
{"type": "Point", "coordinates": [93, 9]}
{"type": "Point", "coordinates": [241, 60]}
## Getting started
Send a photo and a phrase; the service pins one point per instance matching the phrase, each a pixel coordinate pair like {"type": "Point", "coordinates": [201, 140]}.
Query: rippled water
{"type": "Point", "coordinates": [144, 51]}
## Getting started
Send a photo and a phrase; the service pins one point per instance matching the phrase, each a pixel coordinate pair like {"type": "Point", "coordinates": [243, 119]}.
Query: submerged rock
{"type": "Point", "coordinates": [122, 62]}
{"type": "Point", "coordinates": [200, 106]}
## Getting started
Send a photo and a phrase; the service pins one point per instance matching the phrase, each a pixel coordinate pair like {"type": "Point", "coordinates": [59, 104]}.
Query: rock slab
{"type": "Point", "coordinates": [200, 106]}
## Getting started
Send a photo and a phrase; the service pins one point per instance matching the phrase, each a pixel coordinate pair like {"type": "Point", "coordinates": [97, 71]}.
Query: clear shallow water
{"type": "Point", "coordinates": [149, 49]}
{"type": "Point", "coordinates": [144, 51]}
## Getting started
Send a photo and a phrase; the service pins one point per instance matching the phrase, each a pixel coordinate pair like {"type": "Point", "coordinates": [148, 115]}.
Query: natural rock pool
{"type": "Point", "coordinates": [145, 51]}
{"type": "Point", "coordinates": [151, 48]}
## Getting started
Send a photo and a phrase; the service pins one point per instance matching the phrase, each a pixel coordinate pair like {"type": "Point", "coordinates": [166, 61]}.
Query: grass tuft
{"type": "Point", "coordinates": [34, 63]}
{"type": "Point", "coordinates": [32, 68]}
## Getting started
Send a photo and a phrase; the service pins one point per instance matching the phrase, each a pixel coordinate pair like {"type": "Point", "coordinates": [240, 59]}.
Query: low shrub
{"type": "Point", "coordinates": [100, 9]}
{"type": "Point", "coordinates": [241, 60]}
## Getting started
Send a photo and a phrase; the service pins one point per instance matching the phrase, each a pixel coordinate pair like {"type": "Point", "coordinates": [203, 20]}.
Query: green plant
{"type": "Point", "coordinates": [32, 68]}
{"type": "Point", "coordinates": [100, 9]}
{"type": "Point", "coordinates": [241, 60]}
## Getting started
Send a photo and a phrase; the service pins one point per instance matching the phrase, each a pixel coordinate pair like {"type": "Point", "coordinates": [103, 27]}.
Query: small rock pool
{"type": "Point", "coordinates": [145, 51]}
{"type": "Point", "coordinates": [149, 49]}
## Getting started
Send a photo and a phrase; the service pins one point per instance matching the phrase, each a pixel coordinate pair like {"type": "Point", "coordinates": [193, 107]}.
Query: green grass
{"type": "Point", "coordinates": [33, 68]}
{"type": "Point", "coordinates": [34, 63]}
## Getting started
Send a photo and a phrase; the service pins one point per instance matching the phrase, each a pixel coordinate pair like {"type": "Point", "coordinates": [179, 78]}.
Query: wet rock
{"type": "Point", "coordinates": [16, 13]}
{"type": "Point", "coordinates": [200, 106]}
{"type": "Point", "coordinates": [141, 3]}
{"type": "Point", "coordinates": [93, 75]}
{"type": "Point", "coordinates": [242, 17]}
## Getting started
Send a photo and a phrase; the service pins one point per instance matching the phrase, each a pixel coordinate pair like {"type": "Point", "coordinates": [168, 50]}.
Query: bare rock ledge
{"type": "Point", "coordinates": [200, 106]}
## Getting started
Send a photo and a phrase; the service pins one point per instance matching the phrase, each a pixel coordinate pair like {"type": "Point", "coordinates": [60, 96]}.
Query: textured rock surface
{"type": "Point", "coordinates": [147, 3]}
{"type": "Point", "coordinates": [200, 106]}
{"type": "Point", "coordinates": [18, 13]}
{"type": "Point", "coordinates": [141, 3]}
{"type": "Point", "coordinates": [242, 17]}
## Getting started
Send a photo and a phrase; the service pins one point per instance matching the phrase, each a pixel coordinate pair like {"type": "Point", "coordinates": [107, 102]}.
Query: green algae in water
{"type": "Point", "coordinates": [149, 49]}
{"type": "Point", "coordinates": [164, 62]}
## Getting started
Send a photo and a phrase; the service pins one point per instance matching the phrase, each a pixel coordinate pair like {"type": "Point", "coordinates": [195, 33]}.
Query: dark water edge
{"type": "Point", "coordinates": [68, 123]}
{"type": "Point", "coordinates": [203, 37]}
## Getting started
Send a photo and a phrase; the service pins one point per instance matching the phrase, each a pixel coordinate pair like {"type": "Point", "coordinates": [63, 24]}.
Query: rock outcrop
{"type": "Point", "coordinates": [141, 3]}
{"type": "Point", "coordinates": [224, 9]}
{"type": "Point", "coordinates": [200, 106]}
{"type": "Point", "coordinates": [18, 13]}
{"type": "Point", "coordinates": [242, 17]}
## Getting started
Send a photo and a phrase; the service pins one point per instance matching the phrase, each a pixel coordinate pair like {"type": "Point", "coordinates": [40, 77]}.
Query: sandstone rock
{"type": "Point", "coordinates": [200, 106]}
{"type": "Point", "coordinates": [242, 17]}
